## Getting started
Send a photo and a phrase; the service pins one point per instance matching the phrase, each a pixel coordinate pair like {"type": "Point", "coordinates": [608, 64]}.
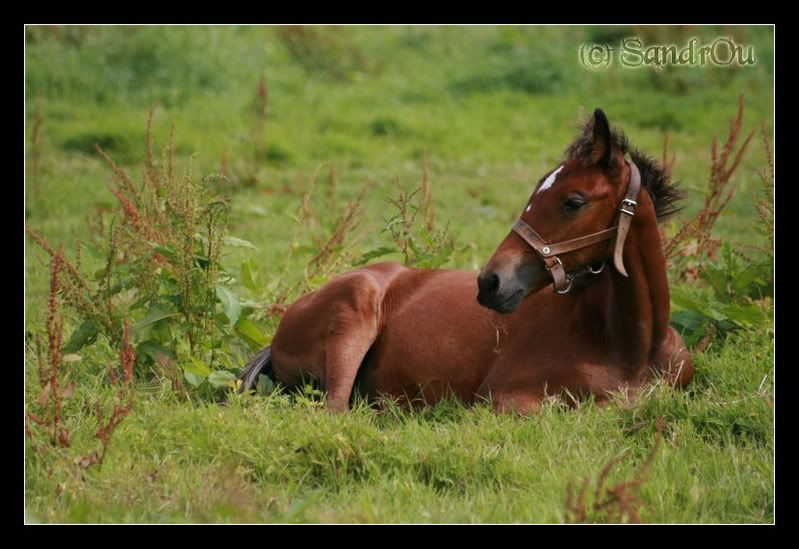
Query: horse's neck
{"type": "Point", "coordinates": [637, 311]}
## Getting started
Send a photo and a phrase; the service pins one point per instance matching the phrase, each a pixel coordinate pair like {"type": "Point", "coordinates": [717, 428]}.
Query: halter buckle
{"type": "Point", "coordinates": [632, 204]}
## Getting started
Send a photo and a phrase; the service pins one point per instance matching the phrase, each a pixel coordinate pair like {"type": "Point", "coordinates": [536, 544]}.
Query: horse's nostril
{"type": "Point", "coordinates": [493, 282]}
{"type": "Point", "coordinates": [488, 284]}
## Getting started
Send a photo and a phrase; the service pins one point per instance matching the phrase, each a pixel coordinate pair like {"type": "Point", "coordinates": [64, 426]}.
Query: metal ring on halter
{"type": "Point", "coordinates": [567, 289]}
{"type": "Point", "coordinates": [568, 279]}
{"type": "Point", "coordinates": [601, 268]}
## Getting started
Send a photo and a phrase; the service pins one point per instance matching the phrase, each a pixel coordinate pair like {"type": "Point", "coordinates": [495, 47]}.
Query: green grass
{"type": "Point", "coordinates": [265, 459]}
{"type": "Point", "coordinates": [495, 108]}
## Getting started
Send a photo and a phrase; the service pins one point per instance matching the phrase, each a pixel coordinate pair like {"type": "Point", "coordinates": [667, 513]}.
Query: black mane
{"type": "Point", "coordinates": [654, 179]}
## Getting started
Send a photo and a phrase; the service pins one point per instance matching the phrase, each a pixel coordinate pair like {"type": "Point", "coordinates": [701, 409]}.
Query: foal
{"type": "Point", "coordinates": [590, 229]}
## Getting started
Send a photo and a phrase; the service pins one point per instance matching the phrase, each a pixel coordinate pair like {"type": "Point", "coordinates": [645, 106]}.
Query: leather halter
{"type": "Point", "coordinates": [549, 252]}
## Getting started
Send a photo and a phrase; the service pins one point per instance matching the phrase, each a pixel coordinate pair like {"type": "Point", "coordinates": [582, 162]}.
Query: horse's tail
{"type": "Point", "coordinates": [261, 364]}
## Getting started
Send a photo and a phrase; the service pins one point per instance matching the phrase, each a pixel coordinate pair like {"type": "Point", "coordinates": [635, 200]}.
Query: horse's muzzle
{"type": "Point", "coordinates": [499, 294]}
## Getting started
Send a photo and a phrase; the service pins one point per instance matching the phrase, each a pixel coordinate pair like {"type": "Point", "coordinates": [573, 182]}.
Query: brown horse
{"type": "Point", "coordinates": [407, 333]}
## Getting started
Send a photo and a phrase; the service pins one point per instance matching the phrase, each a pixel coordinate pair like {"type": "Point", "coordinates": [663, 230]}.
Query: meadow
{"type": "Point", "coordinates": [301, 138]}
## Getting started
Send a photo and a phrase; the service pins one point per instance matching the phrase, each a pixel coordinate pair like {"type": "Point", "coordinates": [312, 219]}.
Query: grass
{"type": "Point", "coordinates": [269, 460]}
{"type": "Point", "coordinates": [494, 107]}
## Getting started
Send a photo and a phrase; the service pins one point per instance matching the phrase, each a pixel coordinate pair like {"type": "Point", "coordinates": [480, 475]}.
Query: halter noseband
{"type": "Point", "coordinates": [549, 252]}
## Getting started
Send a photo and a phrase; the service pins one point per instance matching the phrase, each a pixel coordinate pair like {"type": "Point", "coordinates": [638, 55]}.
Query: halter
{"type": "Point", "coordinates": [549, 252]}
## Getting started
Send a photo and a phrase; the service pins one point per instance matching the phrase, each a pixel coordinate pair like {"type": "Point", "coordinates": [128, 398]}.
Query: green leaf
{"type": "Point", "coordinates": [417, 251]}
{"type": "Point", "coordinates": [197, 367]}
{"type": "Point", "coordinates": [251, 334]}
{"type": "Point", "coordinates": [691, 325]}
{"type": "Point", "coordinates": [265, 386]}
{"type": "Point", "coordinates": [194, 380]}
{"type": "Point", "coordinates": [238, 242]}
{"type": "Point", "coordinates": [730, 259]}
{"type": "Point", "coordinates": [744, 314]}
{"type": "Point", "coordinates": [222, 378]}
{"type": "Point", "coordinates": [230, 304]}
{"type": "Point", "coordinates": [159, 311]}
{"type": "Point", "coordinates": [152, 349]}
{"type": "Point", "coordinates": [717, 278]}
{"type": "Point", "coordinates": [83, 335]}
{"type": "Point", "coordinates": [685, 302]}
{"type": "Point", "coordinates": [687, 321]}
{"type": "Point", "coordinates": [249, 276]}
{"type": "Point", "coordinates": [372, 254]}
{"type": "Point", "coordinates": [715, 314]}
{"type": "Point", "coordinates": [748, 280]}
{"type": "Point", "coordinates": [248, 306]}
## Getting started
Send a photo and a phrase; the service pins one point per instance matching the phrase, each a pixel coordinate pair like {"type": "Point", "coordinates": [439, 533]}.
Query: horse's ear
{"type": "Point", "coordinates": [602, 152]}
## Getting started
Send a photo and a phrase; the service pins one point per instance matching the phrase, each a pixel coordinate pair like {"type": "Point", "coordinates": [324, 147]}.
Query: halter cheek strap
{"type": "Point", "coordinates": [626, 214]}
{"type": "Point", "coordinates": [549, 252]}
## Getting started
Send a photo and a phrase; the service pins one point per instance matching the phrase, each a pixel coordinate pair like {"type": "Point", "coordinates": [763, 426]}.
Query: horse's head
{"type": "Point", "coordinates": [580, 197]}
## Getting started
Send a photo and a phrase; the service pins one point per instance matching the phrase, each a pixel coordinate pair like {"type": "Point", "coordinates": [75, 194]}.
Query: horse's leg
{"type": "Point", "coordinates": [519, 403]}
{"type": "Point", "coordinates": [352, 330]}
{"type": "Point", "coordinates": [328, 333]}
{"type": "Point", "coordinates": [511, 400]}
{"type": "Point", "coordinates": [674, 361]}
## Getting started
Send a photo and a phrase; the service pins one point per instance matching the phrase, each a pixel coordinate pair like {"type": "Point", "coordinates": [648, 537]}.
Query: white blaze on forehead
{"type": "Point", "coordinates": [550, 180]}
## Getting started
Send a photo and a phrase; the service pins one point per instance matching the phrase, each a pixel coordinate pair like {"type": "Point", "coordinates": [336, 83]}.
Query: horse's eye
{"type": "Point", "coordinates": [574, 204]}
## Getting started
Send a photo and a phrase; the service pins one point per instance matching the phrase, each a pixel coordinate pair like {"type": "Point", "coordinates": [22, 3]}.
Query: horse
{"type": "Point", "coordinates": [589, 230]}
